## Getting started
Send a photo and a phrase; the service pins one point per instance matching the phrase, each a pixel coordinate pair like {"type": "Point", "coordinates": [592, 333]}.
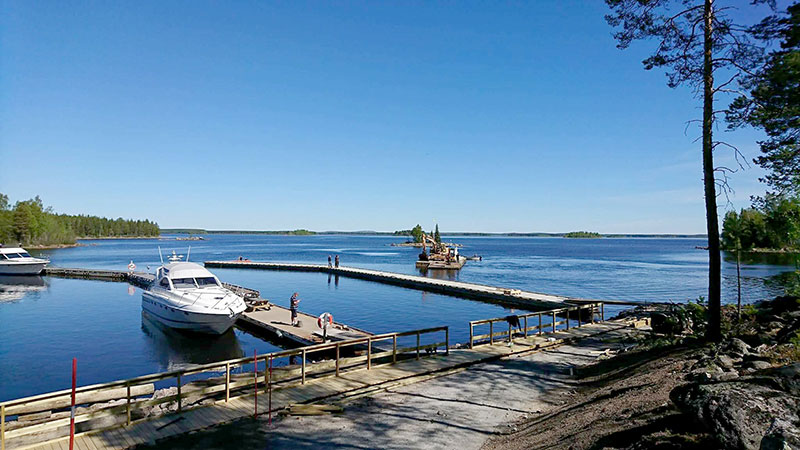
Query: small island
{"type": "Point", "coordinates": [583, 235]}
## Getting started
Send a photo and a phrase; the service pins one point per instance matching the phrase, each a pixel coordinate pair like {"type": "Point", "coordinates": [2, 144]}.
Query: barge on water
{"type": "Point", "coordinates": [440, 257]}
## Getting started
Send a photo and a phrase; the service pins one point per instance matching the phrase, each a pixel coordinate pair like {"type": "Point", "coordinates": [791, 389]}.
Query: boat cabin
{"type": "Point", "coordinates": [185, 275]}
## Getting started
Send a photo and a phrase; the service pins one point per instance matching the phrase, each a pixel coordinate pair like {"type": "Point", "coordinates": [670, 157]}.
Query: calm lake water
{"type": "Point", "coordinates": [45, 322]}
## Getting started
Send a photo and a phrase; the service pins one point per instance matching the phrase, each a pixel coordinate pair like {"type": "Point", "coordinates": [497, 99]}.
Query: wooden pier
{"type": "Point", "coordinates": [277, 321]}
{"type": "Point", "coordinates": [231, 396]}
{"type": "Point", "coordinates": [506, 296]}
{"type": "Point", "coordinates": [273, 320]}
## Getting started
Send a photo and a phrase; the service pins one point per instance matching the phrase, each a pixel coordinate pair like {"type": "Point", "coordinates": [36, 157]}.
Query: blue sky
{"type": "Point", "coordinates": [481, 116]}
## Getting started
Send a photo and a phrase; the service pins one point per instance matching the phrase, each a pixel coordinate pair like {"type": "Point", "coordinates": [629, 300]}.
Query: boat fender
{"type": "Point", "coordinates": [324, 320]}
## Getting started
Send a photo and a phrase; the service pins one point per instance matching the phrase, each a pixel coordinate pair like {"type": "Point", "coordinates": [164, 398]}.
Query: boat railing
{"type": "Point", "coordinates": [538, 323]}
{"type": "Point", "coordinates": [120, 403]}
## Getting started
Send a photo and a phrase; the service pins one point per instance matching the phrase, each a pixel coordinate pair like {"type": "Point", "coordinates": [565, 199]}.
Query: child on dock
{"type": "Point", "coordinates": [294, 302]}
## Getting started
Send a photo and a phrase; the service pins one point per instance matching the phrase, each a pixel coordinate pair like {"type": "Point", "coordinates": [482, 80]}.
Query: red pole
{"type": "Point", "coordinates": [72, 410]}
{"type": "Point", "coordinates": [255, 380]}
{"type": "Point", "coordinates": [269, 386]}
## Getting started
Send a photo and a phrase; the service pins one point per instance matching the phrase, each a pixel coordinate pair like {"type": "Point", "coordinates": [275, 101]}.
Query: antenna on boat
{"type": "Point", "coordinates": [160, 256]}
{"type": "Point", "coordinates": [187, 253]}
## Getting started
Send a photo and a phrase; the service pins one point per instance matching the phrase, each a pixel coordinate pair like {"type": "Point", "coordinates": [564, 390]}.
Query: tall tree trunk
{"type": "Point", "coordinates": [712, 224]}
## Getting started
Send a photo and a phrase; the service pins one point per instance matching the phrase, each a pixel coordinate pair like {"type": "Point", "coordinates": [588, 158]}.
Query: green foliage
{"type": "Point", "coordinates": [791, 284]}
{"type": "Point", "coordinates": [583, 235]}
{"type": "Point", "coordinates": [436, 236]}
{"type": "Point", "coordinates": [773, 224]}
{"type": "Point", "coordinates": [774, 102]}
{"type": "Point", "coordinates": [415, 232]}
{"type": "Point", "coordinates": [30, 223]}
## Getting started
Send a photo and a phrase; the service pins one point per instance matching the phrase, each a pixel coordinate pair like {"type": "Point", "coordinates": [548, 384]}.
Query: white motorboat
{"type": "Point", "coordinates": [187, 296]}
{"type": "Point", "coordinates": [17, 261]}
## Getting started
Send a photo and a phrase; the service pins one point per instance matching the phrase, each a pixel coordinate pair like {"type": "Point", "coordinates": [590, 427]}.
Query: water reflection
{"type": "Point", "coordinates": [790, 260]}
{"type": "Point", "coordinates": [174, 349]}
{"type": "Point", "coordinates": [440, 274]}
{"type": "Point", "coordinates": [15, 287]}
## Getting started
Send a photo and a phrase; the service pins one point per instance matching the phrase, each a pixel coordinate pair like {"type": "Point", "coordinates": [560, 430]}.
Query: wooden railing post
{"type": "Point", "coordinates": [554, 321]}
{"type": "Point", "coordinates": [3, 427]}
{"type": "Point", "coordinates": [179, 392]}
{"type": "Point", "coordinates": [447, 341]}
{"type": "Point", "coordinates": [369, 353]}
{"type": "Point", "coordinates": [303, 368]}
{"type": "Point", "coordinates": [471, 334]}
{"type": "Point", "coordinates": [491, 332]}
{"type": "Point", "coordinates": [602, 312]}
{"type": "Point", "coordinates": [128, 404]}
{"type": "Point", "coordinates": [269, 391]}
{"type": "Point", "coordinates": [255, 383]}
{"type": "Point", "coordinates": [227, 381]}
{"type": "Point", "coordinates": [337, 358]}
{"type": "Point", "coordinates": [540, 324]}
{"type": "Point", "coordinates": [525, 333]}
{"type": "Point", "coordinates": [394, 349]}
{"type": "Point", "coordinates": [579, 316]}
{"type": "Point", "coordinates": [567, 318]}
{"type": "Point", "coordinates": [417, 344]}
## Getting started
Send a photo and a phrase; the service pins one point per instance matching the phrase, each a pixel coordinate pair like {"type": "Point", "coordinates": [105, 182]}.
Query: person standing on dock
{"type": "Point", "coordinates": [294, 302]}
{"type": "Point", "coordinates": [329, 262]}
{"type": "Point", "coordinates": [337, 260]}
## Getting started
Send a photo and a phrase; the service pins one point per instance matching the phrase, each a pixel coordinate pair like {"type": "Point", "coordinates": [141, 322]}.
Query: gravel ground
{"type": "Point", "coordinates": [456, 411]}
{"type": "Point", "coordinates": [622, 403]}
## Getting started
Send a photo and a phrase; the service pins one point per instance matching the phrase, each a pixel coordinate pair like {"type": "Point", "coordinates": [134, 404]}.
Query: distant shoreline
{"type": "Point", "coordinates": [99, 238]}
{"type": "Point", "coordinates": [392, 234]}
{"type": "Point", "coordinates": [53, 246]}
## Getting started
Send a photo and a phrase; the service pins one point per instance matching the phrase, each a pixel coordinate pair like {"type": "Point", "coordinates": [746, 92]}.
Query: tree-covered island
{"type": "Point", "coordinates": [583, 235]}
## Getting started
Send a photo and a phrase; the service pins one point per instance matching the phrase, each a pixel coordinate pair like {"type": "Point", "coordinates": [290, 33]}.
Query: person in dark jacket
{"type": "Point", "coordinates": [294, 302]}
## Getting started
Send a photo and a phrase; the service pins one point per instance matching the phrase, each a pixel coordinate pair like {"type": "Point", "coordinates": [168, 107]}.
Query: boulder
{"type": "Point", "coordinates": [758, 365]}
{"type": "Point", "coordinates": [738, 413]}
{"type": "Point", "coordinates": [667, 323]}
{"type": "Point", "coordinates": [724, 361]}
{"type": "Point", "coordinates": [781, 435]}
{"type": "Point", "coordinates": [787, 377]}
{"type": "Point", "coordinates": [739, 346]}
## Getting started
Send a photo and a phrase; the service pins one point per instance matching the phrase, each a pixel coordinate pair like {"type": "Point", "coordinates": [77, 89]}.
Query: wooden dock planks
{"type": "Point", "coordinates": [277, 321]}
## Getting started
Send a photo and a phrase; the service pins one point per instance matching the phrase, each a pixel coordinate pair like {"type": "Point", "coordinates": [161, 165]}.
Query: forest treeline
{"type": "Point", "coordinates": [30, 223]}
{"type": "Point", "coordinates": [772, 223]}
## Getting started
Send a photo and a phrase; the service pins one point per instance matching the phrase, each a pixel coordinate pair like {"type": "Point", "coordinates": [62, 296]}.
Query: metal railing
{"type": "Point", "coordinates": [49, 413]}
{"type": "Point", "coordinates": [532, 323]}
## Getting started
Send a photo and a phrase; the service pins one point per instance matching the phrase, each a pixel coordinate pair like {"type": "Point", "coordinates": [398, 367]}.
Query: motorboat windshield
{"type": "Point", "coordinates": [16, 255]}
{"type": "Point", "coordinates": [194, 283]}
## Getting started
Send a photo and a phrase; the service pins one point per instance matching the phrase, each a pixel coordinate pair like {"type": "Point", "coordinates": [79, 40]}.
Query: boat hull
{"type": "Point", "coordinates": [210, 323]}
{"type": "Point", "coordinates": [22, 268]}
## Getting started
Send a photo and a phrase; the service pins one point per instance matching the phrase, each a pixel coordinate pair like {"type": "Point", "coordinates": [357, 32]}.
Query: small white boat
{"type": "Point", "coordinates": [187, 296]}
{"type": "Point", "coordinates": [17, 261]}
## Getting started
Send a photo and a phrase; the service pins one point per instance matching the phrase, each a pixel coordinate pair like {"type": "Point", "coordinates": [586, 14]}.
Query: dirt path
{"type": "Point", "coordinates": [622, 403]}
{"type": "Point", "coordinates": [456, 411]}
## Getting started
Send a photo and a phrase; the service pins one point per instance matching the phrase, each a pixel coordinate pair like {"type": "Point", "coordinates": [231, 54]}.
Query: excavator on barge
{"type": "Point", "coordinates": [441, 256]}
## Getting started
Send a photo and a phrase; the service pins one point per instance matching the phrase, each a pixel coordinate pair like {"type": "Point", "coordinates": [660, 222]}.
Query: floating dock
{"type": "Point", "coordinates": [272, 320]}
{"type": "Point", "coordinates": [277, 321]}
{"type": "Point", "coordinates": [506, 296]}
